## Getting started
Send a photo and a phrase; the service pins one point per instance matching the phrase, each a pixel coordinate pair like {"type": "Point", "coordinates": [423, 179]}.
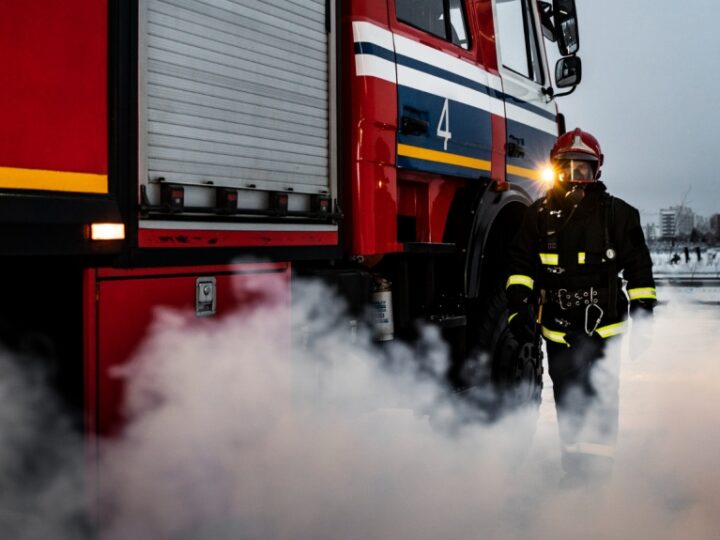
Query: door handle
{"type": "Point", "coordinates": [515, 148]}
{"type": "Point", "coordinates": [413, 126]}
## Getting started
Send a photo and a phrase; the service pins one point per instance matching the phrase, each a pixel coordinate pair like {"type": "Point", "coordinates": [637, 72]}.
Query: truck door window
{"type": "Point", "coordinates": [429, 16]}
{"type": "Point", "coordinates": [519, 48]}
{"type": "Point", "coordinates": [458, 25]}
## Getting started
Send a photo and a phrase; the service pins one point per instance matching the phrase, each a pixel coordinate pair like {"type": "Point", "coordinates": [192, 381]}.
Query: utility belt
{"type": "Point", "coordinates": [583, 304]}
{"type": "Point", "coordinates": [571, 299]}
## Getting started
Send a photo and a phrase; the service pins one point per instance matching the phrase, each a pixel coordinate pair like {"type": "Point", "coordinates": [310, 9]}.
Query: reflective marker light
{"type": "Point", "coordinates": [279, 202]}
{"type": "Point", "coordinates": [107, 231]}
{"type": "Point", "coordinates": [172, 197]}
{"type": "Point", "coordinates": [226, 200]}
{"type": "Point", "coordinates": [320, 204]}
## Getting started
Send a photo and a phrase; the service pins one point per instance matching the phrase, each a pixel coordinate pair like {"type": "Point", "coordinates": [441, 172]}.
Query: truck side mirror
{"type": "Point", "coordinates": [568, 72]}
{"type": "Point", "coordinates": [566, 28]}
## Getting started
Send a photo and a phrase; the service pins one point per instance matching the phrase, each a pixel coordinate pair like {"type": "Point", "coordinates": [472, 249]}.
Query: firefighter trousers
{"type": "Point", "coordinates": [585, 385]}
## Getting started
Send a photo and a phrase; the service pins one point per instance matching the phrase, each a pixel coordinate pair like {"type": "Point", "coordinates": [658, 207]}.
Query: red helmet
{"type": "Point", "coordinates": [577, 146]}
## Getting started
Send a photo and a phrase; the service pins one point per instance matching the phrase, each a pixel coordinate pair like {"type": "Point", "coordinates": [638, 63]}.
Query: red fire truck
{"type": "Point", "coordinates": [147, 146]}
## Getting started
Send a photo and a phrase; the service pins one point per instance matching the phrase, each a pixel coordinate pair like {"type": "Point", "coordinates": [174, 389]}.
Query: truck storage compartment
{"type": "Point", "coordinates": [235, 95]}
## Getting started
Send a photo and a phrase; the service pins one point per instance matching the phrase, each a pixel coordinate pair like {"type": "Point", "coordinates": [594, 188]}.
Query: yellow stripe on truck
{"type": "Point", "coordinates": [417, 152]}
{"type": "Point", "coordinates": [13, 178]}
{"type": "Point", "coordinates": [532, 174]}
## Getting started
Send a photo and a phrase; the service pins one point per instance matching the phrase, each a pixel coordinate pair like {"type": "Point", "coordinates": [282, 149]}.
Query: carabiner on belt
{"type": "Point", "coordinates": [589, 332]}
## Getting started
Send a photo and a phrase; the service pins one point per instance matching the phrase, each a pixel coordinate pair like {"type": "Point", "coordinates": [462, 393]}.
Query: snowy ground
{"type": "Point", "coordinates": [707, 267]}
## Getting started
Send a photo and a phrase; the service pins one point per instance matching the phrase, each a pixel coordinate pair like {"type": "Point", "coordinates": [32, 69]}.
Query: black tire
{"type": "Point", "coordinates": [500, 373]}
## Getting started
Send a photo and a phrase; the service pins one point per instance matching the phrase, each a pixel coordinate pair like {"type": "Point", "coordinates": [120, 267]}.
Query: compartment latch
{"type": "Point", "coordinates": [205, 295]}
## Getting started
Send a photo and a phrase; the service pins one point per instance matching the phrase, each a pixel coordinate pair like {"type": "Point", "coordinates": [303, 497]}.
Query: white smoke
{"type": "Point", "coordinates": [41, 457]}
{"type": "Point", "coordinates": [234, 431]}
{"type": "Point", "coordinates": [234, 434]}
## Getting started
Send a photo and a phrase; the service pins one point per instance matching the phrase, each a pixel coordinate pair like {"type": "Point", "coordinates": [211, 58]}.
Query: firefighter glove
{"type": "Point", "coordinates": [642, 309]}
{"type": "Point", "coordinates": [522, 323]}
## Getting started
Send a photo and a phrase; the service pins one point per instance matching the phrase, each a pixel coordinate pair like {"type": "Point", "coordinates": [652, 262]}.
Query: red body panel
{"type": "Point", "coordinates": [499, 133]}
{"type": "Point", "coordinates": [428, 199]}
{"type": "Point", "coordinates": [123, 304]}
{"type": "Point", "coordinates": [372, 213]}
{"type": "Point", "coordinates": [482, 16]}
{"type": "Point", "coordinates": [53, 96]}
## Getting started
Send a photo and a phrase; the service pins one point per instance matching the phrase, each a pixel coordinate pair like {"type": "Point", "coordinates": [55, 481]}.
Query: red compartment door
{"type": "Point", "coordinates": [121, 305]}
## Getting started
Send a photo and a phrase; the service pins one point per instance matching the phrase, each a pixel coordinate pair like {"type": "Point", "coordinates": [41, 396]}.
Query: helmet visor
{"type": "Point", "coordinates": [575, 170]}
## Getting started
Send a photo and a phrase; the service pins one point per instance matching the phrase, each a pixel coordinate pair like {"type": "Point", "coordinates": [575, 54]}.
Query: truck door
{"type": "Point", "coordinates": [444, 103]}
{"type": "Point", "coordinates": [531, 117]}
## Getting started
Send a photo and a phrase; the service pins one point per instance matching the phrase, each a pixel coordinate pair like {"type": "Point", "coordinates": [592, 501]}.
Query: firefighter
{"type": "Point", "coordinates": [564, 275]}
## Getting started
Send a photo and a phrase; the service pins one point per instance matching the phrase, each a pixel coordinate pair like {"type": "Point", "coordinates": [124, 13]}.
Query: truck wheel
{"type": "Point", "coordinates": [500, 373]}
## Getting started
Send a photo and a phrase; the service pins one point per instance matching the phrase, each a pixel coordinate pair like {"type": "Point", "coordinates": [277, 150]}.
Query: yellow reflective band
{"type": "Point", "coordinates": [550, 259]}
{"type": "Point", "coordinates": [518, 279]}
{"type": "Point", "coordinates": [642, 292]}
{"type": "Point", "coordinates": [594, 449]}
{"type": "Point", "coordinates": [611, 329]}
{"type": "Point", "coordinates": [604, 332]}
{"type": "Point", "coordinates": [581, 257]}
{"type": "Point", "coordinates": [511, 317]}
{"type": "Point", "coordinates": [552, 335]}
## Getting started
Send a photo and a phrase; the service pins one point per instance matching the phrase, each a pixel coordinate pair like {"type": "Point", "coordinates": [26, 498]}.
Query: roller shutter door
{"type": "Point", "coordinates": [235, 93]}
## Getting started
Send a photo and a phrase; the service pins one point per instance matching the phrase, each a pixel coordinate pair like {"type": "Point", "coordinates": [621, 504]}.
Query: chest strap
{"type": "Point", "coordinates": [610, 253]}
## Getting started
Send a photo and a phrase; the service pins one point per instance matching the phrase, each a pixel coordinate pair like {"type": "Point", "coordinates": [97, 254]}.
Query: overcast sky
{"type": "Point", "coordinates": [651, 76]}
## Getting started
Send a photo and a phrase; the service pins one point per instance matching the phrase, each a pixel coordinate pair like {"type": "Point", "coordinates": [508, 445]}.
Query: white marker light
{"type": "Point", "coordinates": [107, 231]}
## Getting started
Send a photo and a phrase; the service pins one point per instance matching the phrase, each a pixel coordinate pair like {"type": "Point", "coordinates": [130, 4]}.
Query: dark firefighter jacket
{"type": "Point", "coordinates": [569, 255]}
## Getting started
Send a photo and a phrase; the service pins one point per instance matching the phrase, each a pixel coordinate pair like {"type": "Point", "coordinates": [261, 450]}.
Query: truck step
{"type": "Point", "coordinates": [449, 321]}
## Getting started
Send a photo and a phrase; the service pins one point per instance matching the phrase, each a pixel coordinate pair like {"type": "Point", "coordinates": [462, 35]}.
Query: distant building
{"type": "Point", "coordinates": [715, 226]}
{"type": "Point", "coordinates": [650, 232]}
{"type": "Point", "coordinates": [702, 224]}
{"type": "Point", "coordinates": [668, 223]}
{"type": "Point", "coordinates": [676, 222]}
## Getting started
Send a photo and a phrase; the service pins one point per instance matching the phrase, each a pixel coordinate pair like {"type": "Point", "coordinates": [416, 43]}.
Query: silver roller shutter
{"type": "Point", "coordinates": [235, 93]}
